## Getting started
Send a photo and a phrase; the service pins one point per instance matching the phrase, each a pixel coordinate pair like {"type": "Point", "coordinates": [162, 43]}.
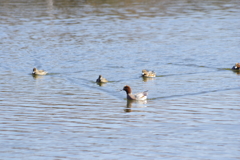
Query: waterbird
{"type": "Point", "coordinates": [146, 73]}
{"type": "Point", "coordinates": [236, 66]}
{"type": "Point", "coordinates": [101, 79]}
{"type": "Point", "coordinates": [39, 72]}
{"type": "Point", "coordinates": [138, 96]}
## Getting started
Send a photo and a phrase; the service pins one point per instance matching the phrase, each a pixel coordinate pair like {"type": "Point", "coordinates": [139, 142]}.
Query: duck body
{"type": "Point", "coordinates": [138, 96]}
{"type": "Point", "coordinates": [101, 79]}
{"type": "Point", "coordinates": [236, 67]}
{"type": "Point", "coordinates": [150, 74]}
{"type": "Point", "coordinates": [39, 72]}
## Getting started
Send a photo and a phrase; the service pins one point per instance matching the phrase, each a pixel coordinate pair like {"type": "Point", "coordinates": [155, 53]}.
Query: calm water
{"type": "Point", "coordinates": [193, 110]}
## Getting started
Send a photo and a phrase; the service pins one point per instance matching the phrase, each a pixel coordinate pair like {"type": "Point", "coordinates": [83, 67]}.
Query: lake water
{"type": "Point", "coordinates": [193, 107]}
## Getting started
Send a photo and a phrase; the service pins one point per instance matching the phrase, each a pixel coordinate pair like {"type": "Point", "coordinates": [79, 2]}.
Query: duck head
{"type": "Point", "coordinates": [144, 72]}
{"type": "Point", "coordinates": [34, 70]}
{"type": "Point", "coordinates": [127, 89]}
{"type": "Point", "coordinates": [236, 67]}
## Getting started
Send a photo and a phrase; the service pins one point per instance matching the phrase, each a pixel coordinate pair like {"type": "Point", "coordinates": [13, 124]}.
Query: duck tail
{"type": "Point", "coordinates": [145, 93]}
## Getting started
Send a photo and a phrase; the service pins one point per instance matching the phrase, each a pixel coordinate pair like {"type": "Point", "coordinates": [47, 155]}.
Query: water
{"type": "Point", "coordinates": [192, 110]}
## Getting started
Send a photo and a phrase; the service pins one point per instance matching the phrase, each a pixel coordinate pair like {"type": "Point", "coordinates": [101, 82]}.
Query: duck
{"type": "Point", "coordinates": [138, 96]}
{"type": "Point", "coordinates": [101, 79]}
{"type": "Point", "coordinates": [236, 67]}
{"type": "Point", "coordinates": [150, 74]}
{"type": "Point", "coordinates": [39, 72]}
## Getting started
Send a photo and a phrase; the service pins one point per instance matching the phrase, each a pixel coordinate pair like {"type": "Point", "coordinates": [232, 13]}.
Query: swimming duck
{"type": "Point", "coordinates": [150, 74]}
{"type": "Point", "coordinates": [236, 67]}
{"type": "Point", "coordinates": [39, 72]}
{"type": "Point", "coordinates": [101, 79]}
{"type": "Point", "coordinates": [138, 96]}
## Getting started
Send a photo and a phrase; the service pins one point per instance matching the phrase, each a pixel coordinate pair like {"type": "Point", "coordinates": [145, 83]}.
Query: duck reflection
{"type": "Point", "coordinates": [145, 79]}
{"type": "Point", "coordinates": [36, 76]}
{"type": "Point", "coordinates": [139, 104]}
{"type": "Point", "coordinates": [101, 84]}
{"type": "Point", "coordinates": [236, 71]}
